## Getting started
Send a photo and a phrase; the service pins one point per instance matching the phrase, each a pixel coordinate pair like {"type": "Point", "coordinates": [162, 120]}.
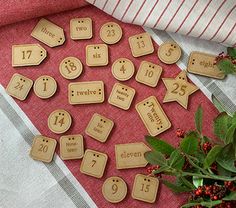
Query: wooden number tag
{"type": "Point", "coordinates": [121, 96]}
{"type": "Point", "coordinates": [153, 116]}
{"type": "Point", "coordinates": [97, 55]}
{"type": "Point", "coordinates": [141, 44]}
{"type": "Point", "coordinates": [81, 28]}
{"type": "Point", "coordinates": [48, 33]}
{"type": "Point", "coordinates": [59, 121]}
{"type": "Point", "coordinates": [131, 155]}
{"type": "Point", "coordinates": [86, 92]}
{"type": "Point", "coordinates": [169, 52]}
{"type": "Point", "coordinates": [93, 163]}
{"type": "Point", "coordinates": [148, 74]}
{"type": "Point", "coordinates": [114, 189]}
{"type": "Point", "coordinates": [28, 55]}
{"type": "Point", "coordinates": [71, 147]}
{"type": "Point", "coordinates": [43, 149]}
{"type": "Point", "coordinates": [19, 86]}
{"type": "Point", "coordinates": [123, 69]}
{"type": "Point", "coordinates": [179, 89]}
{"type": "Point", "coordinates": [99, 127]}
{"type": "Point", "coordinates": [145, 188]}
{"type": "Point", "coordinates": [110, 33]}
{"type": "Point", "coordinates": [203, 64]}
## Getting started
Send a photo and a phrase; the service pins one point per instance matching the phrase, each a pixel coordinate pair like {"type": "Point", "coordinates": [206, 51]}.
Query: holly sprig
{"type": "Point", "coordinates": [200, 165]}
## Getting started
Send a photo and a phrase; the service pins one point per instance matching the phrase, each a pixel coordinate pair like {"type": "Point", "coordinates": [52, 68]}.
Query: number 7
{"type": "Point", "coordinates": [94, 162]}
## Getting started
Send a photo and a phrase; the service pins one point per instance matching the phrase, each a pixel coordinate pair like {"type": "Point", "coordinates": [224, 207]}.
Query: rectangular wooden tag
{"type": "Point", "coordinates": [86, 92]}
{"type": "Point", "coordinates": [28, 55]}
{"type": "Point", "coordinates": [153, 116]}
{"type": "Point", "coordinates": [48, 33]}
{"type": "Point", "coordinates": [131, 155]}
{"type": "Point", "coordinates": [203, 64]}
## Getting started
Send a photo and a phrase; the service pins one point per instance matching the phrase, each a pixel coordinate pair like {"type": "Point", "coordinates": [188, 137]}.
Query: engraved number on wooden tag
{"type": "Point", "coordinates": [26, 54]}
{"type": "Point", "coordinates": [179, 89]}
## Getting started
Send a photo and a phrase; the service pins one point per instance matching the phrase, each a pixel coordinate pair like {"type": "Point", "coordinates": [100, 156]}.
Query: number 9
{"type": "Point", "coordinates": [114, 188]}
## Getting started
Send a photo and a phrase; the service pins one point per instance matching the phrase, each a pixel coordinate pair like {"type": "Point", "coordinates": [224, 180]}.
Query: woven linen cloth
{"type": "Point", "coordinates": [28, 183]}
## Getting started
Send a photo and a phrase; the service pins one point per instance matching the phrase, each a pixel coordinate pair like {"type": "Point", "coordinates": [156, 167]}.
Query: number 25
{"type": "Point", "coordinates": [179, 90]}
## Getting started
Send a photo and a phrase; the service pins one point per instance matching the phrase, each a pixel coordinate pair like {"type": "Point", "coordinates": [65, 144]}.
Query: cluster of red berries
{"type": "Point", "coordinates": [206, 147]}
{"type": "Point", "coordinates": [230, 185]}
{"type": "Point", "coordinates": [180, 133]}
{"type": "Point", "coordinates": [224, 204]}
{"type": "Point", "coordinates": [222, 56]}
{"type": "Point", "coordinates": [151, 169]}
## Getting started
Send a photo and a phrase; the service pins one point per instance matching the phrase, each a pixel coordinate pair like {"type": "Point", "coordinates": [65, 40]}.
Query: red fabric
{"type": "Point", "coordinates": [128, 126]}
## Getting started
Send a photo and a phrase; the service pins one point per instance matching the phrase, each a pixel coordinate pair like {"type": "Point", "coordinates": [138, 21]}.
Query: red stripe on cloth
{"type": "Point", "coordinates": [199, 17]}
{"type": "Point", "coordinates": [126, 10]}
{"type": "Point", "coordinates": [162, 13]}
{"type": "Point", "coordinates": [115, 7]}
{"type": "Point", "coordinates": [174, 15]}
{"type": "Point", "coordinates": [223, 22]}
{"type": "Point", "coordinates": [150, 13]}
{"type": "Point", "coordinates": [212, 18]}
{"type": "Point", "coordinates": [104, 5]}
{"type": "Point", "coordinates": [229, 33]}
{"type": "Point", "coordinates": [138, 11]}
{"type": "Point", "coordinates": [187, 16]}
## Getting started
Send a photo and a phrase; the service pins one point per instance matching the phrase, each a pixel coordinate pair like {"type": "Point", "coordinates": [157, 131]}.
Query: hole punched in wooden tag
{"type": "Point", "coordinates": [99, 127]}
{"type": "Point", "coordinates": [121, 96]}
{"type": "Point", "coordinates": [81, 28]}
{"type": "Point", "coordinates": [110, 33]}
{"type": "Point", "coordinates": [203, 64]}
{"type": "Point", "coordinates": [86, 92]}
{"type": "Point", "coordinates": [93, 163]}
{"type": "Point", "coordinates": [114, 189]}
{"type": "Point", "coordinates": [153, 116]}
{"type": "Point", "coordinates": [28, 55]}
{"type": "Point", "coordinates": [48, 33]}
{"type": "Point", "coordinates": [145, 188]}
{"type": "Point", "coordinates": [43, 148]}
{"type": "Point", "coordinates": [71, 147]}
{"type": "Point", "coordinates": [19, 86]}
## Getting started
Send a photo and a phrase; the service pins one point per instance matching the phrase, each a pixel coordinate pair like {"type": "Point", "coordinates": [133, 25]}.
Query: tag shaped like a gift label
{"type": "Point", "coordinates": [131, 155]}
{"type": "Point", "coordinates": [153, 116]}
{"type": "Point", "coordinates": [48, 33]}
{"type": "Point", "coordinates": [86, 92]}
{"type": "Point", "coordinates": [28, 55]}
{"type": "Point", "coordinates": [203, 64]}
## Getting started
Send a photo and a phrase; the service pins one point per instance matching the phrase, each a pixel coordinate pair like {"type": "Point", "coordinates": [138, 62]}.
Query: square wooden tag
{"type": "Point", "coordinates": [81, 28]}
{"type": "Point", "coordinates": [71, 147]}
{"type": "Point", "coordinates": [141, 44]}
{"type": "Point", "coordinates": [121, 96]}
{"type": "Point", "coordinates": [99, 127]}
{"type": "Point", "coordinates": [93, 163]}
{"type": "Point", "coordinates": [19, 86]}
{"type": "Point", "coordinates": [145, 188]}
{"type": "Point", "coordinates": [43, 148]}
{"type": "Point", "coordinates": [148, 74]}
{"type": "Point", "coordinates": [97, 55]}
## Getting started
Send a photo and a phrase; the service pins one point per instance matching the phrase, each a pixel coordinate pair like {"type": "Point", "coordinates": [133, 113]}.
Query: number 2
{"type": "Point", "coordinates": [25, 53]}
{"type": "Point", "coordinates": [179, 90]}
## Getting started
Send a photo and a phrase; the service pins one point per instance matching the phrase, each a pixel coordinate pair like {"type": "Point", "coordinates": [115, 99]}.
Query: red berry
{"type": "Point", "coordinates": [215, 197]}
{"type": "Point", "coordinates": [180, 133]}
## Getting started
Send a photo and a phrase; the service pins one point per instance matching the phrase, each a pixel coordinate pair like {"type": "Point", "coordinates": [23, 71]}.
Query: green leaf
{"type": "Point", "coordinates": [217, 104]}
{"type": "Point", "coordinates": [211, 156]}
{"type": "Point", "coordinates": [187, 183]}
{"type": "Point", "coordinates": [175, 188]}
{"type": "Point", "coordinates": [226, 66]}
{"type": "Point", "coordinates": [176, 160]}
{"type": "Point", "coordinates": [230, 197]}
{"type": "Point", "coordinates": [226, 158]}
{"type": "Point", "coordinates": [208, 204]}
{"type": "Point", "coordinates": [159, 145]}
{"type": "Point", "coordinates": [155, 158]}
{"type": "Point", "coordinates": [231, 52]}
{"type": "Point", "coordinates": [230, 134]}
{"type": "Point", "coordinates": [197, 181]}
{"type": "Point", "coordinates": [189, 144]}
{"type": "Point", "coordinates": [221, 125]}
{"type": "Point", "coordinates": [222, 172]}
{"type": "Point", "coordinates": [198, 119]}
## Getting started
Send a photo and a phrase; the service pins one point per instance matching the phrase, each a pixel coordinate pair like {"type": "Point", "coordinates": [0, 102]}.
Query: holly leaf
{"type": "Point", "coordinates": [230, 134]}
{"type": "Point", "coordinates": [221, 125]}
{"type": "Point", "coordinates": [159, 145]}
{"type": "Point", "coordinates": [211, 156]}
{"type": "Point", "coordinates": [230, 197]}
{"type": "Point", "coordinates": [226, 158]}
{"type": "Point", "coordinates": [176, 160]}
{"type": "Point", "coordinates": [226, 66]}
{"type": "Point", "coordinates": [197, 181]}
{"type": "Point", "coordinates": [189, 144]}
{"type": "Point", "coordinates": [198, 119]}
{"type": "Point", "coordinates": [221, 171]}
{"type": "Point", "coordinates": [208, 204]}
{"type": "Point", "coordinates": [231, 52]}
{"type": "Point", "coordinates": [175, 188]}
{"type": "Point", "coordinates": [155, 158]}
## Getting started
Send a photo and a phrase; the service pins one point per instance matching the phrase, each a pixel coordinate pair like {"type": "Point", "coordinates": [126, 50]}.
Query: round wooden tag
{"type": "Point", "coordinates": [169, 52]}
{"type": "Point", "coordinates": [71, 68]}
{"type": "Point", "coordinates": [123, 69]}
{"type": "Point", "coordinates": [110, 33]}
{"type": "Point", "coordinates": [59, 121]}
{"type": "Point", "coordinates": [45, 87]}
{"type": "Point", "coordinates": [114, 189]}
